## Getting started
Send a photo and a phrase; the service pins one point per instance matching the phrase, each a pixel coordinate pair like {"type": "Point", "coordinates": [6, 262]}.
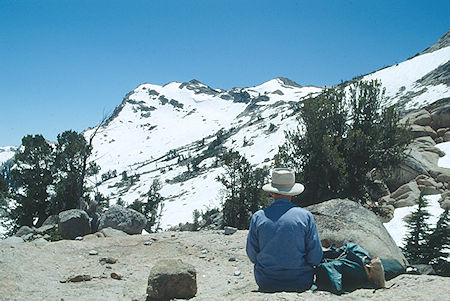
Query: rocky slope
{"type": "Point", "coordinates": [40, 270]}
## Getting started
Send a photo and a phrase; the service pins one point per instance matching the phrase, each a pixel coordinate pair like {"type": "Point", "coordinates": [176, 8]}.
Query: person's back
{"type": "Point", "coordinates": [284, 245]}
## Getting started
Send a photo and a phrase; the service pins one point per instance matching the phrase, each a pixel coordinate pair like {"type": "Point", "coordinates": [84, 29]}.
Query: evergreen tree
{"type": "Point", "coordinates": [342, 136]}
{"type": "Point", "coordinates": [152, 207]}
{"type": "Point", "coordinates": [243, 186]}
{"type": "Point", "coordinates": [438, 244]}
{"type": "Point", "coordinates": [3, 191]}
{"type": "Point", "coordinates": [32, 178]}
{"type": "Point", "coordinates": [416, 244]}
{"type": "Point", "coordinates": [72, 152]}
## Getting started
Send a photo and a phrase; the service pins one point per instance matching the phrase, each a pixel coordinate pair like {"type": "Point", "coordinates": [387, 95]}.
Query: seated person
{"type": "Point", "coordinates": [283, 242]}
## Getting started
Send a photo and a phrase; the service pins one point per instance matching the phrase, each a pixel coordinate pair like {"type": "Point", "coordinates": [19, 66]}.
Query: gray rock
{"type": "Point", "coordinates": [420, 131]}
{"type": "Point", "coordinates": [425, 141]}
{"type": "Point", "coordinates": [428, 185]}
{"type": "Point", "coordinates": [385, 213]}
{"type": "Point", "coordinates": [424, 269]}
{"type": "Point", "coordinates": [446, 136]}
{"type": "Point", "coordinates": [40, 242]}
{"type": "Point", "coordinates": [45, 229]}
{"type": "Point", "coordinates": [127, 220]}
{"type": "Point", "coordinates": [406, 200]}
{"type": "Point", "coordinates": [170, 278]}
{"type": "Point", "coordinates": [12, 240]}
{"type": "Point", "coordinates": [110, 232]}
{"type": "Point", "coordinates": [423, 117]}
{"type": "Point", "coordinates": [412, 166]}
{"type": "Point", "coordinates": [404, 189]}
{"type": "Point", "coordinates": [73, 223]}
{"type": "Point", "coordinates": [441, 117]}
{"type": "Point", "coordinates": [51, 220]}
{"type": "Point", "coordinates": [441, 132]}
{"type": "Point", "coordinates": [28, 237]}
{"type": "Point", "coordinates": [229, 230]}
{"type": "Point", "coordinates": [24, 230]}
{"type": "Point", "coordinates": [341, 221]}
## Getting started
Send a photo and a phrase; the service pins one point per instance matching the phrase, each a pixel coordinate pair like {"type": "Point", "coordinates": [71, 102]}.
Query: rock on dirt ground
{"type": "Point", "coordinates": [43, 270]}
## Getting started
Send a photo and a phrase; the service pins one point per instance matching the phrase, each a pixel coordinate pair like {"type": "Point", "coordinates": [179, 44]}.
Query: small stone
{"type": "Point", "coordinates": [108, 260]}
{"type": "Point", "coordinates": [108, 267]}
{"type": "Point", "coordinates": [230, 230]}
{"type": "Point", "coordinates": [232, 259]}
{"type": "Point", "coordinates": [204, 251]}
{"type": "Point", "coordinates": [79, 278]}
{"type": "Point", "coordinates": [173, 235]}
{"type": "Point", "coordinates": [93, 252]}
{"type": "Point", "coordinates": [79, 238]}
{"type": "Point", "coordinates": [148, 243]}
{"type": "Point", "coordinates": [117, 276]}
{"type": "Point", "coordinates": [237, 273]}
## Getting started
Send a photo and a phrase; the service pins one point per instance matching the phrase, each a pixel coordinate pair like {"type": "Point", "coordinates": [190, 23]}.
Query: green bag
{"type": "Point", "coordinates": [392, 268]}
{"type": "Point", "coordinates": [344, 273]}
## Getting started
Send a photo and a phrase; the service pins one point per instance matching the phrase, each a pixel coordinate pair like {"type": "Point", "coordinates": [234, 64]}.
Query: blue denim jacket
{"type": "Point", "coordinates": [284, 245]}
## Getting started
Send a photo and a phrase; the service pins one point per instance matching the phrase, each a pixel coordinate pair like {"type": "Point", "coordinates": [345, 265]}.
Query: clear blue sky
{"type": "Point", "coordinates": [63, 63]}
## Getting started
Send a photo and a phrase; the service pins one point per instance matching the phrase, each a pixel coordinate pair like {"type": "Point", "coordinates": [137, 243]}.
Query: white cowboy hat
{"type": "Point", "coordinates": [283, 182]}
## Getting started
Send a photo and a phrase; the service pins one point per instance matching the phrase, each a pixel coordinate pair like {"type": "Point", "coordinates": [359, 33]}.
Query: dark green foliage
{"type": "Point", "coordinates": [3, 190]}
{"type": "Point", "coordinates": [416, 245]}
{"type": "Point", "coordinates": [32, 177]}
{"type": "Point", "coordinates": [437, 242]}
{"type": "Point", "coordinates": [71, 167]}
{"type": "Point", "coordinates": [343, 136]}
{"type": "Point", "coordinates": [428, 246]}
{"type": "Point", "coordinates": [243, 187]}
{"type": "Point", "coordinates": [47, 180]}
{"type": "Point", "coordinates": [152, 207]}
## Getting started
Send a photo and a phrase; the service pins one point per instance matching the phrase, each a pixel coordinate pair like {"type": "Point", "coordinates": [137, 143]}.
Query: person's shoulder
{"type": "Point", "coordinates": [303, 212]}
{"type": "Point", "coordinates": [258, 213]}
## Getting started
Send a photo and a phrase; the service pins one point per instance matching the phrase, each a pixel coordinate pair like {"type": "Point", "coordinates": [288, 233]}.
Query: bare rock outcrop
{"type": "Point", "coordinates": [341, 221]}
{"type": "Point", "coordinates": [73, 223]}
{"type": "Point", "coordinates": [127, 220]}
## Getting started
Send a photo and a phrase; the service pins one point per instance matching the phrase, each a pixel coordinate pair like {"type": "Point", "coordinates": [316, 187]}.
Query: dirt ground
{"type": "Point", "coordinates": [39, 270]}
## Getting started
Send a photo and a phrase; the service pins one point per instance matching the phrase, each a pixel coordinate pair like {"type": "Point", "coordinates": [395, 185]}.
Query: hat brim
{"type": "Point", "coordinates": [295, 189]}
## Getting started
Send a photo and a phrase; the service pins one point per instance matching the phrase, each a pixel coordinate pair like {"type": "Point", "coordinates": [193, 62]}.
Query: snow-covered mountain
{"type": "Point", "coordinates": [175, 132]}
{"type": "Point", "coordinates": [6, 153]}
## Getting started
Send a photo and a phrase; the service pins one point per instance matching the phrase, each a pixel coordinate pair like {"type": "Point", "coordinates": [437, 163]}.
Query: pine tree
{"type": "Point", "coordinates": [32, 177]}
{"type": "Point", "coordinates": [243, 189]}
{"type": "Point", "coordinates": [416, 244]}
{"type": "Point", "coordinates": [438, 243]}
{"type": "Point", "coordinates": [3, 191]}
{"type": "Point", "coordinates": [72, 151]}
{"type": "Point", "coordinates": [152, 207]}
{"type": "Point", "coordinates": [341, 137]}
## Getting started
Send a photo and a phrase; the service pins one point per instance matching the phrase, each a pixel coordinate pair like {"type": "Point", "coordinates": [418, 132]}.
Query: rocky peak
{"type": "Point", "coordinates": [443, 42]}
{"type": "Point", "coordinates": [198, 87]}
{"type": "Point", "coordinates": [288, 82]}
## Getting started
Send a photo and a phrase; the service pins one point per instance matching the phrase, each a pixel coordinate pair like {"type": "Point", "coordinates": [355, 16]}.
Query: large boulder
{"type": "Point", "coordinates": [341, 221]}
{"type": "Point", "coordinates": [51, 220]}
{"type": "Point", "coordinates": [441, 116]}
{"type": "Point", "coordinates": [420, 131]}
{"type": "Point", "coordinates": [124, 219]}
{"type": "Point", "coordinates": [171, 278]}
{"type": "Point", "coordinates": [24, 230]}
{"type": "Point", "coordinates": [422, 117]}
{"type": "Point", "coordinates": [73, 223]}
